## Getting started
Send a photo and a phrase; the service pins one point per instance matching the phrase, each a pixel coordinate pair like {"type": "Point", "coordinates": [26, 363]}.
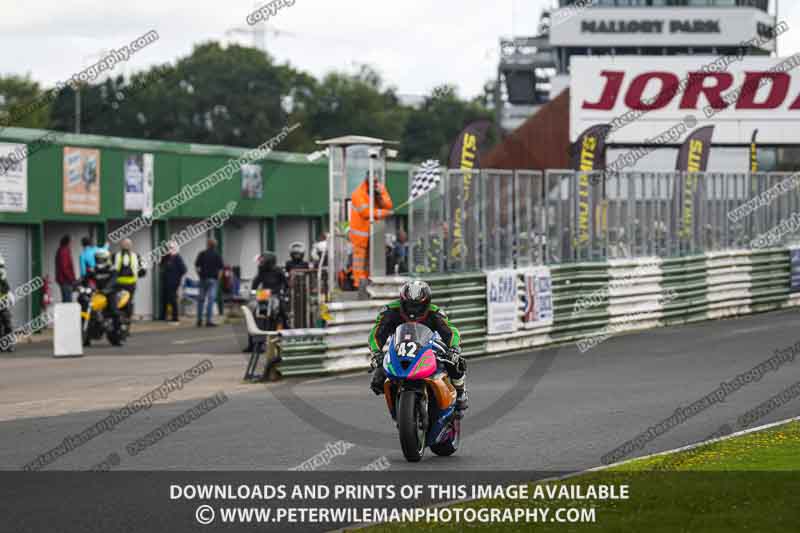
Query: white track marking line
{"type": "Point", "coordinates": [201, 339]}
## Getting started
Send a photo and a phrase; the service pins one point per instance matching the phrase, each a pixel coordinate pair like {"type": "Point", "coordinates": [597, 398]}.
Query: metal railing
{"type": "Point", "coordinates": [488, 219]}
{"type": "Point", "coordinates": [305, 295]}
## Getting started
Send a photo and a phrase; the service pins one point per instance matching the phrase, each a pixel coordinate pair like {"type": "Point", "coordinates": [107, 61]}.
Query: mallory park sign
{"type": "Point", "coordinates": [637, 27]}
{"type": "Point", "coordinates": [651, 26]}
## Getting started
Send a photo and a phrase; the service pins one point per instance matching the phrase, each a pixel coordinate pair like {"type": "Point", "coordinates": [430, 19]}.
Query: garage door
{"type": "Point", "coordinates": [16, 252]}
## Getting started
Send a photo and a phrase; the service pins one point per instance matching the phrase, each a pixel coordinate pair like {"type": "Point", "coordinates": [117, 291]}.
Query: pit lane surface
{"type": "Point", "coordinates": [554, 409]}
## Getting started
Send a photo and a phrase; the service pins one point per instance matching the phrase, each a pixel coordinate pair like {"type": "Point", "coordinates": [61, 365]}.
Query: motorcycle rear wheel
{"type": "Point", "coordinates": [410, 426]}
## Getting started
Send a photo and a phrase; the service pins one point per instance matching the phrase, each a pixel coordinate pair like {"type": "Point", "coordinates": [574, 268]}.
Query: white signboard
{"type": "Point", "coordinates": [149, 184]}
{"type": "Point", "coordinates": [139, 183]}
{"type": "Point", "coordinates": [501, 301]}
{"type": "Point", "coordinates": [538, 298]}
{"type": "Point", "coordinates": [13, 177]}
{"type": "Point", "coordinates": [645, 99]}
{"type": "Point", "coordinates": [682, 27]}
{"type": "Point", "coordinates": [67, 337]}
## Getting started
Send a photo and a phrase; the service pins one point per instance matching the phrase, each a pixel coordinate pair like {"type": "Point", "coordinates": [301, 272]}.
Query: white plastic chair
{"type": "Point", "coordinates": [259, 336]}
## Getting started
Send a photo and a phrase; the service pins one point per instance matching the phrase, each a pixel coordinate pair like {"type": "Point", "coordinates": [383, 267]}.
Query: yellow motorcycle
{"type": "Point", "coordinates": [98, 319]}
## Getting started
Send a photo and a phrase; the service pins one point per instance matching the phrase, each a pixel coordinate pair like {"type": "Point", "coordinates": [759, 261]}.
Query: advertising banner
{"type": "Point", "coordinates": [692, 158]}
{"type": "Point", "coordinates": [252, 182]}
{"type": "Point", "coordinates": [645, 100]}
{"type": "Point", "coordinates": [588, 153]}
{"type": "Point", "coordinates": [81, 181]}
{"type": "Point", "coordinates": [538, 298]}
{"type": "Point", "coordinates": [13, 178]}
{"type": "Point", "coordinates": [139, 182]}
{"type": "Point", "coordinates": [501, 301]}
{"type": "Point", "coordinates": [465, 156]}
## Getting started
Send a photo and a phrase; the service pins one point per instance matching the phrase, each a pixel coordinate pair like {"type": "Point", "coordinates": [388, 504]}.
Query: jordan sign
{"type": "Point", "coordinates": [641, 99]}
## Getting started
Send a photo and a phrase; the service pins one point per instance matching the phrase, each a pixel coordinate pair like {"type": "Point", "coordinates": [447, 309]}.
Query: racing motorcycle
{"type": "Point", "coordinates": [419, 394]}
{"type": "Point", "coordinates": [97, 319]}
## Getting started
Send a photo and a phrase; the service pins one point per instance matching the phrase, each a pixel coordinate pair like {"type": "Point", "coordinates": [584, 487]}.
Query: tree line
{"type": "Point", "coordinates": [239, 96]}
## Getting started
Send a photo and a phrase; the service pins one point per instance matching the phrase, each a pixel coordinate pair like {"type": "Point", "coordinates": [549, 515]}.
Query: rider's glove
{"type": "Point", "coordinates": [440, 348]}
{"type": "Point", "coordinates": [455, 354]}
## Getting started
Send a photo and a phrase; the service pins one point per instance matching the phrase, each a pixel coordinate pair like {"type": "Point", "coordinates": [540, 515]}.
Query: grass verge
{"type": "Point", "coordinates": [745, 483]}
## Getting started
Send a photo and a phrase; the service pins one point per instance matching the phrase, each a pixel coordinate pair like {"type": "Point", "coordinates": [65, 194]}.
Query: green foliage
{"type": "Point", "coordinates": [239, 96]}
{"type": "Point", "coordinates": [23, 103]}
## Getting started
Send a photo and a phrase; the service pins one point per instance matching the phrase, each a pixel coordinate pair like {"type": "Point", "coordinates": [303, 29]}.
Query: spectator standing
{"type": "Point", "coordinates": [400, 252]}
{"type": "Point", "coordinates": [65, 270]}
{"type": "Point", "coordinates": [172, 271]}
{"type": "Point", "coordinates": [86, 262]}
{"type": "Point", "coordinates": [209, 266]}
{"type": "Point", "coordinates": [319, 252]}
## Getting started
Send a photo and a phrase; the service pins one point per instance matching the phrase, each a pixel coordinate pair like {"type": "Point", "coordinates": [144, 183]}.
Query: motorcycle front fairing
{"type": "Point", "coordinates": [411, 363]}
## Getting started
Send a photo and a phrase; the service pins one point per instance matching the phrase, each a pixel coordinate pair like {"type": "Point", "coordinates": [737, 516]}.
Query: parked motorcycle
{"type": "Point", "coordinates": [419, 394]}
{"type": "Point", "coordinates": [97, 319]}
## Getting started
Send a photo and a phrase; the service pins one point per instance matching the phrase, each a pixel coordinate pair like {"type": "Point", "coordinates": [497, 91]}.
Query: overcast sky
{"type": "Point", "coordinates": [414, 44]}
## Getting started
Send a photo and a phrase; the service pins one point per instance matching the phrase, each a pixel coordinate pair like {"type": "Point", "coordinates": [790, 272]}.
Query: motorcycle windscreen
{"type": "Point", "coordinates": [412, 332]}
{"type": "Point", "coordinates": [411, 353]}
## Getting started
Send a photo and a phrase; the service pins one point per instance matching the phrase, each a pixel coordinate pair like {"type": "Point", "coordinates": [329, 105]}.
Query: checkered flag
{"type": "Point", "coordinates": [426, 178]}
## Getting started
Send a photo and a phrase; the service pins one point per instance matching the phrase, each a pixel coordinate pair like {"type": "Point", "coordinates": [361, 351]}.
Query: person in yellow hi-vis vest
{"type": "Point", "coordinates": [129, 269]}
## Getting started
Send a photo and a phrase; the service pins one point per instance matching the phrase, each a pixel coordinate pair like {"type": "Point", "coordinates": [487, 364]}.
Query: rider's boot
{"type": "Point", "coordinates": [462, 400]}
{"type": "Point", "coordinates": [378, 377]}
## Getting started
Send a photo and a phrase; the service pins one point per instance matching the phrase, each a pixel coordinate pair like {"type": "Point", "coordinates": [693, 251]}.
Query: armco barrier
{"type": "Point", "coordinates": [621, 295]}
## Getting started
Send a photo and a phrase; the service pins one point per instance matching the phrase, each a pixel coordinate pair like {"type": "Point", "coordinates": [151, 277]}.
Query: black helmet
{"type": "Point", "coordinates": [415, 295]}
{"type": "Point", "coordinates": [267, 261]}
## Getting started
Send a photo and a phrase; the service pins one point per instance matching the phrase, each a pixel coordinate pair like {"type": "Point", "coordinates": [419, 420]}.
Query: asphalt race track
{"type": "Point", "coordinates": [546, 410]}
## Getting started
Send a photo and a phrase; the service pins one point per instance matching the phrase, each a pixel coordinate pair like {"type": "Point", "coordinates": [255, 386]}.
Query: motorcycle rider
{"type": "Point", "coordinates": [104, 276]}
{"type": "Point", "coordinates": [270, 277]}
{"type": "Point", "coordinates": [415, 305]}
{"type": "Point", "coordinates": [297, 252]}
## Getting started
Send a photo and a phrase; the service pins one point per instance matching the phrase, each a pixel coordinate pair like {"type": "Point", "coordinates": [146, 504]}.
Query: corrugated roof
{"type": "Point", "coordinates": [540, 143]}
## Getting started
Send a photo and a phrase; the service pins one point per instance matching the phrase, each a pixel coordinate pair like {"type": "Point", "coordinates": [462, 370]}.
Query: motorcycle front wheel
{"type": "Point", "coordinates": [410, 424]}
{"type": "Point", "coordinates": [114, 334]}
